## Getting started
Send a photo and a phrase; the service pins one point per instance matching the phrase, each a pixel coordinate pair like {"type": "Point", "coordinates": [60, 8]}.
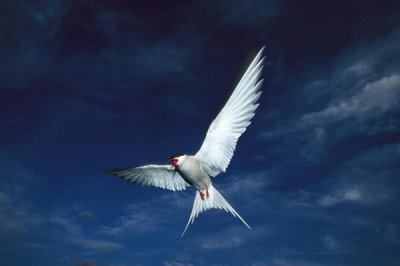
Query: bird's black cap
{"type": "Point", "coordinates": [177, 155]}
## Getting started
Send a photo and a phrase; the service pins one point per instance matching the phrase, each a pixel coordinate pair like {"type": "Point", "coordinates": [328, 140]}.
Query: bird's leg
{"type": "Point", "coordinates": [207, 192]}
{"type": "Point", "coordinates": [201, 194]}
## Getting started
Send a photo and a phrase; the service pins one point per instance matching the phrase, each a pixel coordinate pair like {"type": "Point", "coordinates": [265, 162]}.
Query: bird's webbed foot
{"type": "Point", "coordinates": [201, 194]}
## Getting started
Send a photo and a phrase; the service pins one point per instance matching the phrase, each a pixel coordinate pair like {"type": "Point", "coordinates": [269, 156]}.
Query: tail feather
{"type": "Point", "coordinates": [213, 201]}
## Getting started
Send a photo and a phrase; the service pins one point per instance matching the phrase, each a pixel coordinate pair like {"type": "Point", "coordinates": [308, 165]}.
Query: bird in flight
{"type": "Point", "coordinates": [215, 153]}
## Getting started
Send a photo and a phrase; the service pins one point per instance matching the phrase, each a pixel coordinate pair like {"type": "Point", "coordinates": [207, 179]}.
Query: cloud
{"type": "Point", "coordinates": [282, 261]}
{"type": "Point", "coordinates": [288, 201]}
{"type": "Point", "coordinates": [67, 224]}
{"type": "Point", "coordinates": [124, 264]}
{"type": "Point", "coordinates": [87, 215]}
{"type": "Point", "coordinates": [352, 101]}
{"type": "Point", "coordinates": [230, 242]}
{"type": "Point", "coordinates": [36, 245]}
{"type": "Point", "coordinates": [313, 149]}
{"type": "Point", "coordinates": [86, 66]}
{"type": "Point", "coordinates": [233, 237]}
{"type": "Point", "coordinates": [85, 262]}
{"type": "Point", "coordinates": [94, 244]}
{"type": "Point", "coordinates": [72, 233]}
{"type": "Point", "coordinates": [348, 195]}
{"type": "Point", "coordinates": [176, 263]}
{"type": "Point", "coordinates": [17, 215]}
{"type": "Point", "coordinates": [181, 200]}
{"type": "Point", "coordinates": [139, 221]}
{"type": "Point", "coordinates": [371, 101]}
{"type": "Point", "coordinates": [366, 179]}
{"type": "Point", "coordinates": [245, 185]}
{"type": "Point", "coordinates": [164, 59]}
{"type": "Point", "coordinates": [159, 213]}
{"type": "Point", "coordinates": [25, 28]}
{"type": "Point", "coordinates": [391, 233]}
{"type": "Point", "coordinates": [152, 215]}
{"type": "Point", "coordinates": [360, 68]}
{"type": "Point", "coordinates": [294, 262]}
{"type": "Point", "coordinates": [329, 243]}
{"type": "Point", "coordinates": [248, 13]}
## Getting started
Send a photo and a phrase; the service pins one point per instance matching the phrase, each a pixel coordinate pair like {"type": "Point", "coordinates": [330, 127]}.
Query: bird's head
{"type": "Point", "coordinates": [176, 159]}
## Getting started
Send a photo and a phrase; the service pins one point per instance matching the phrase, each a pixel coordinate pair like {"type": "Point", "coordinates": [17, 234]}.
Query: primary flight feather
{"type": "Point", "coordinates": [215, 153]}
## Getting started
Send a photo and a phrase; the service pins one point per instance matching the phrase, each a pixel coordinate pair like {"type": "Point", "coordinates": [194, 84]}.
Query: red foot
{"type": "Point", "coordinates": [207, 192]}
{"type": "Point", "coordinates": [201, 194]}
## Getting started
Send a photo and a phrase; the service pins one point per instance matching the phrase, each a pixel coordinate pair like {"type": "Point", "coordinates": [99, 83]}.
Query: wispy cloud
{"type": "Point", "coordinates": [357, 96]}
{"type": "Point", "coordinates": [144, 217]}
{"type": "Point", "coordinates": [232, 237]}
{"type": "Point", "coordinates": [36, 245]}
{"type": "Point", "coordinates": [17, 214]}
{"type": "Point", "coordinates": [391, 233]}
{"type": "Point", "coordinates": [248, 13]}
{"type": "Point", "coordinates": [176, 263]}
{"type": "Point", "coordinates": [85, 262]}
{"type": "Point", "coordinates": [230, 242]}
{"type": "Point", "coordinates": [94, 244]}
{"type": "Point", "coordinates": [351, 195]}
{"type": "Point", "coordinates": [371, 101]}
{"type": "Point", "coordinates": [330, 243]}
{"type": "Point", "coordinates": [245, 185]}
{"type": "Point", "coordinates": [33, 24]}
{"type": "Point", "coordinates": [72, 233]}
{"type": "Point", "coordinates": [67, 224]}
{"type": "Point", "coordinates": [19, 217]}
{"type": "Point", "coordinates": [137, 221]}
{"type": "Point", "coordinates": [366, 179]}
{"type": "Point", "coordinates": [87, 215]}
{"type": "Point", "coordinates": [294, 262]}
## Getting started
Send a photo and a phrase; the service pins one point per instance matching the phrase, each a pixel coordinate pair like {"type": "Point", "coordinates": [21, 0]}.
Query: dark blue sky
{"type": "Point", "coordinates": [91, 84]}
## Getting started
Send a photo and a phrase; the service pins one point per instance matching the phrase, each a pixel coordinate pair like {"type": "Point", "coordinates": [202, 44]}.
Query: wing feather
{"type": "Point", "coordinates": [162, 176]}
{"type": "Point", "coordinates": [219, 145]}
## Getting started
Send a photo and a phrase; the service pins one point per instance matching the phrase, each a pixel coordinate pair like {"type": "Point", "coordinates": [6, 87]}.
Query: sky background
{"type": "Point", "coordinates": [91, 84]}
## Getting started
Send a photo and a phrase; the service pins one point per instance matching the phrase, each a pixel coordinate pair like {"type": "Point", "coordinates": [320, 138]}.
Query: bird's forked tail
{"type": "Point", "coordinates": [213, 201]}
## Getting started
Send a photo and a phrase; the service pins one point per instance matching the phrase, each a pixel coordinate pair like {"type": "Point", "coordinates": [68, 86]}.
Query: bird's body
{"type": "Point", "coordinates": [190, 168]}
{"type": "Point", "coordinates": [214, 155]}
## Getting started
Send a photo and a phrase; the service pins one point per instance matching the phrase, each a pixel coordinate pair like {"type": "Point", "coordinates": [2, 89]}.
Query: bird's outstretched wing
{"type": "Point", "coordinates": [163, 176]}
{"type": "Point", "coordinates": [217, 149]}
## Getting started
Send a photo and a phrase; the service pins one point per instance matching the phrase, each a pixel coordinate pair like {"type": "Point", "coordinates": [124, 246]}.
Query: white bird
{"type": "Point", "coordinates": [215, 153]}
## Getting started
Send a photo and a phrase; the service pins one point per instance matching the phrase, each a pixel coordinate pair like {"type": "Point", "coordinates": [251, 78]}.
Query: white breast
{"type": "Point", "coordinates": [191, 168]}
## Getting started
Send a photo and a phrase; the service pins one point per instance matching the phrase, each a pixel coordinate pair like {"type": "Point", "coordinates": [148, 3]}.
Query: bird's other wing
{"type": "Point", "coordinates": [162, 176]}
{"type": "Point", "coordinates": [217, 149]}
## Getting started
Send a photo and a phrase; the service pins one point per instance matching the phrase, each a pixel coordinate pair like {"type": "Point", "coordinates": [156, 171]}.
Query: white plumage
{"type": "Point", "coordinates": [224, 132]}
{"type": "Point", "coordinates": [215, 153]}
{"type": "Point", "coordinates": [214, 201]}
{"type": "Point", "coordinates": [162, 176]}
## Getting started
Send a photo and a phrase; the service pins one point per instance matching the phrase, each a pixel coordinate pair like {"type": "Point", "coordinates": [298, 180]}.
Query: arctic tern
{"type": "Point", "coordinates": [215, 153]}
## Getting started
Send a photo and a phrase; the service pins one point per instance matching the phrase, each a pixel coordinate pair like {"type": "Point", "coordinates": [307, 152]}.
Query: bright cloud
{"type": "Point", "coordinates": [373, 99]}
